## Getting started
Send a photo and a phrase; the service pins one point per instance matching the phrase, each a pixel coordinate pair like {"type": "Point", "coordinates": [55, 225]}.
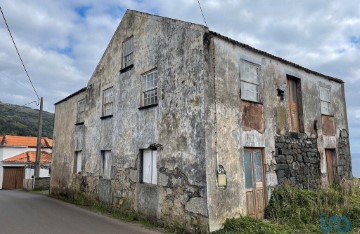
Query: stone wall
{"type": "Point", "coordinates": [344, 158]}
{"type": "Point", "coordinates": [42, 183]}
{"type": "Point", "coordinates": [297, 160]}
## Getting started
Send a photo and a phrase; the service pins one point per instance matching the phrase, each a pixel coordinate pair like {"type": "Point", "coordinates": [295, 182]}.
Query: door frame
{"type": "Point", "coordinates": [5, 168]}
{"type": "Point", "coordinates": [299, 102]}
{"type": "Point", "coordinates": [334, 165]}
{"type": "Point", "coordinates": [263, 180]}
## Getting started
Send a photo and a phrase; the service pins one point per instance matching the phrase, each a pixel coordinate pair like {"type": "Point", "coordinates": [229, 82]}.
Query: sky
{"type": "Point", "coordinates": [61, 42]}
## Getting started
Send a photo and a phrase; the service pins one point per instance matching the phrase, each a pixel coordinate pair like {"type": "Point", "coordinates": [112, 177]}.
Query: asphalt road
{"type": "Point", "coordinates": [29, 213]}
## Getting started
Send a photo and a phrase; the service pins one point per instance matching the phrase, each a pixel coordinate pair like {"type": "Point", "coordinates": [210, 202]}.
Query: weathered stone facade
{"type": "Point", "coordinates": [344, 161]}
{"type": "Point", "coordinates": [297, 161]}
{"type": "Point", "coordinates": [200, 121]}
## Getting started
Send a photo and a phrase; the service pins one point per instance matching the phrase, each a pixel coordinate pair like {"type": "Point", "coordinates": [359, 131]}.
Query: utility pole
{"type": "Point", "coordinates": [38, 145]}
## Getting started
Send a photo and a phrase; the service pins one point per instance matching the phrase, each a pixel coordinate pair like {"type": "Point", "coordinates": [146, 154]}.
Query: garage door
{"type": "Point", "coordinates": [13, 177]}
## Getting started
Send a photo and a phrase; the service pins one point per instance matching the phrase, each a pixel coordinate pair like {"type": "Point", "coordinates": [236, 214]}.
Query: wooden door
{"type": "Point", "coordinates": [254, 182]}
{"type": "Point", "coordinates": [293, 106]}
{"type": "Point", "coordinates": [330, 165]}
{"type": "Point", "coordinates": [13, 177]}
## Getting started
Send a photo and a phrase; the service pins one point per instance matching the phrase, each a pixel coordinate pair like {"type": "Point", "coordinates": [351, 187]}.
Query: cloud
{"type": "Point", "coordinates": [62, 41]}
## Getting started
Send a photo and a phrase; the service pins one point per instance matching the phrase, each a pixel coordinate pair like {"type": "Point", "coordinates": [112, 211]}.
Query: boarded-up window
{"type": "Point", "coordinates": [108, 102]}
{"type": "Point", "coordinates": [128, 52]}
{"type": "Point", "coordinates": [81, 111]}
{"type": "Point", "coordinates": [78, 162]}
{"type": "Point", "coordinates": [150, 95]}
{"type": "Point", "coordinates": [325, 100]}
{"type": "Point", "coordinates": [106, 161]}
{"type": "Point", "coordinates": [249, 75]}
{"type": "Point", "coordinates": [149, 171]}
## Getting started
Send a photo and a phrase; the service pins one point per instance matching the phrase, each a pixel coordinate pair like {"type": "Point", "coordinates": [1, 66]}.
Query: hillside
{"type": "Point", "coordinates": [23, 121]}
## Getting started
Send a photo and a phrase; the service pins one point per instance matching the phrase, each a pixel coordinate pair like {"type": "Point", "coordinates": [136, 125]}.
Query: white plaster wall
{"type": "Point", "coordinates": [29, 173]}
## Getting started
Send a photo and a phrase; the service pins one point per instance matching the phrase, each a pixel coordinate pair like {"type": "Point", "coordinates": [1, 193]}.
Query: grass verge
{"type": "Point", "coordinates": [127, 216]}
{"type": "Point", "coordinates": [292, 210]}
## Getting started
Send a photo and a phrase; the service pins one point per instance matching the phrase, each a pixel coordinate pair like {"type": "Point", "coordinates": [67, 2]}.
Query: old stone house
{"type": "Point", "coordinates": [190, 127]}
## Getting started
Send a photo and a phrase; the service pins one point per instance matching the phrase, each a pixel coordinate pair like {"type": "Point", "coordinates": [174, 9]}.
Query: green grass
{"type": "Point", "coordinates": [127, 216]}
{"type": "Point", "coordinates": [292, 210]}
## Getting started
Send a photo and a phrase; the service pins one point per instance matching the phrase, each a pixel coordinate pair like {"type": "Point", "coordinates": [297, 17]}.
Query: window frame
{"type": "Point", "coordinates": [151, 91]}
{"type": "Point", "coordinates": [106, 163]}
{"type": "Point", "coordinates": [105, 104]}
{"type": "Point", "coordinates": [80, 113]}
{"type": "Point", "coordinates": [128, 52]}
{"type": "Point", "coordinates": [322, 100]}
{"type": "Point", "coordinates": [78, 170]}
{"type": "Point", "coordinates": [153, 167]}
{"type": "Point", "coordinates": [244, 80]}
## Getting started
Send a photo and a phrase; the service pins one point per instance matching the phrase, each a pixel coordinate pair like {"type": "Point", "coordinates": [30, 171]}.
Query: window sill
{"type": "Point", "coordinates": [148, 184]}
{"type": "Point", "coordinates": [255, 102]}
{"type": "Point", "coordinates": [125, 69]}
{"type": "Point", "coordinates": [106, 117]}
{"type": "Point", "coordinates": [148, 106]}
{"type": "Point", "coordinates": [79, 123]}
{"type": "Point", "coordinates": [327, 115]}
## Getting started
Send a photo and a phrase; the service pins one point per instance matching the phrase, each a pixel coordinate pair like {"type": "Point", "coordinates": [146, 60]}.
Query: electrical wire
{"type": "Point", "coordinates": [27, 74]}
{"type": "Point", "coordinates": [202, 13]}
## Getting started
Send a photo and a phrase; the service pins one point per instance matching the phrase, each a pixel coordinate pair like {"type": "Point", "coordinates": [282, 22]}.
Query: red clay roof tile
{"type": "Point", "coordinates": [9, 140]}
{"type": "Point", "coordinates": [30, 157]}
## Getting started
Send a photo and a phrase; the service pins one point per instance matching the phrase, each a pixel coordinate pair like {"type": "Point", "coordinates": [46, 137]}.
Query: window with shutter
{"type": "Point", "coordinates": [149, 171]}
{"type": "Point", "coordinates": [150, 94]}
{"type": "Point", "coordinates": [108, 102]}
{"type": "Point", "coordinates": [250, 85]}
{"type": "Point", "coordinates": [128, 52]}
{"type": "Point", "coordinates": [325, 100]}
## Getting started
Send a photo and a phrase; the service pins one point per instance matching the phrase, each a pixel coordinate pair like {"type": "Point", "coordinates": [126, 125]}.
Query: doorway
{"type": "Point", "coordinates": [13, 177]}
{"type": "Point", "coordinates": [254, 182]}
{"type": "Point", "coordinates": [330, 165]}
{"type": "Point", "coordinates": [293, 104]}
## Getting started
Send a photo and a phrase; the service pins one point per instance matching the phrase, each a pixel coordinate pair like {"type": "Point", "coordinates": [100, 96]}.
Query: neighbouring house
{"type": "Point", "coordinates": [20, 169]}
{"type": "Point", "coordinates": [190, 127]}
{"type": "Point", "coordinates": [12, 173]}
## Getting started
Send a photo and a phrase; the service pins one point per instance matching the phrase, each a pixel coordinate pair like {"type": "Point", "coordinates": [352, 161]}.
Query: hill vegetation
{"type": "Point", "coordinates": [23, 121]}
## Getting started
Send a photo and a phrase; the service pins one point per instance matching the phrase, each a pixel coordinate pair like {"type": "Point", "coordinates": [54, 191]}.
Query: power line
{"type": "Point", "coordinates": [27, 74]}
{"type": "Point", "coordinates": [202, 13]}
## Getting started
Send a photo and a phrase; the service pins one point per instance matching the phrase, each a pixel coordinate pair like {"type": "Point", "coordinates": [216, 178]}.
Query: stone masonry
{"type": "Point", "coordinates": [344, 161]}
{"type": "Point", "coordinates": [298, 160]}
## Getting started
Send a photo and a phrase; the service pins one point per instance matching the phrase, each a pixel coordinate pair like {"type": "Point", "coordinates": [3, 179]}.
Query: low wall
{"type": "Point", "coordinates": [40, 184]}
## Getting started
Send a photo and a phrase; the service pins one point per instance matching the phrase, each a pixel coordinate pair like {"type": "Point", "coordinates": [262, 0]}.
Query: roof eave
{"type": "Point", "coordinates": [274, 57]}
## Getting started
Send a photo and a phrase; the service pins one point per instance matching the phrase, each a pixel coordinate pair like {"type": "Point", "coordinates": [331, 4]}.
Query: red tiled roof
{"type": "Point", "coordinates": [30, 157]}
{"type": "Point", "coordinates": [9, 140]}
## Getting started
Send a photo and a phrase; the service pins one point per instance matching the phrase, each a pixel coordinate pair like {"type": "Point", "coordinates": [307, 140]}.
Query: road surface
{"type": "Point", "coordinates": [29, 213]}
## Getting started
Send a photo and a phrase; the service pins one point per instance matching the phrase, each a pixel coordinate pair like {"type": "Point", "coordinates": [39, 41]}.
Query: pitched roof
{"type": "Point", "coordinates": [9, 140]}
{"type": "Point", "coordinates": [71, 95]}
{"type": "Point", "coordinates": [30, 157]}
{"type": "Point", "coordinates": [274, 57]}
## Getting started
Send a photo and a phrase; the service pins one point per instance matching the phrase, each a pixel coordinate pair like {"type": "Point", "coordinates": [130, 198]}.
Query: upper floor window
{"type": "Point", "coordinates": [250, 85]}
{"type": "Point", "coordinates": [81, 111]}
{"type": "Point", "coordinates": [108, 102]}
{"type": "Point", "coordinates": [325, 100]}
{"type": "Point", "coordinates": [128, 52]}
{"type": "Point", "coordinates": [150, 95]}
